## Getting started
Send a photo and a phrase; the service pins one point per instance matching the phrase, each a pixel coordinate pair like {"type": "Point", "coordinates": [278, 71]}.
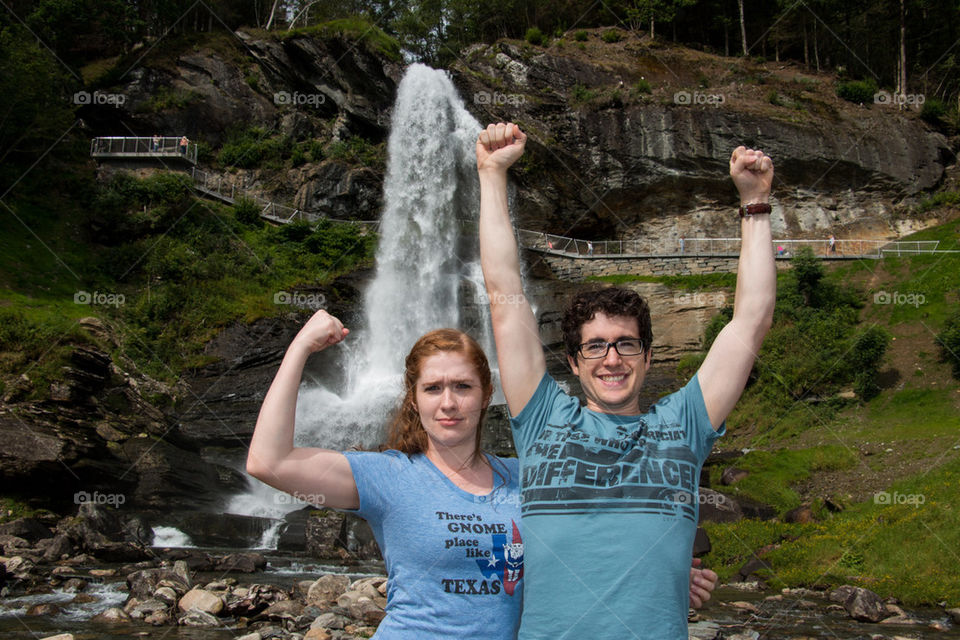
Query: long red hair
{"type": "Point", "coordinates": [406, 430]}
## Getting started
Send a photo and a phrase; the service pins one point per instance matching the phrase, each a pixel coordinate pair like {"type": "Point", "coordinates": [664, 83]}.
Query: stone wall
{"type": "Point", "coordinates": [578, 268]}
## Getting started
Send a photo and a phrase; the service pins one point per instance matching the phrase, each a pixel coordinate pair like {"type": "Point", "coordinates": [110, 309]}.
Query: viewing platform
{"type": "Point", "coordinates": [161, 149]}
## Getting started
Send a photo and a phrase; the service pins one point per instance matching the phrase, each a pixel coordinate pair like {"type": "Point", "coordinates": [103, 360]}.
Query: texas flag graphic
{"type": "Point", "coordinates": [505, 560]}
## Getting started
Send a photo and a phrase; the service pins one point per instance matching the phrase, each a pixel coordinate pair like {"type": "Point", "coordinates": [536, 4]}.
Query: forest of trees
{"type": "Point", "coordinates": [908, 46]}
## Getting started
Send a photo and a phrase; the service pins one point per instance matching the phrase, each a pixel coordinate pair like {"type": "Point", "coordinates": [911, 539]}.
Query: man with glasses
{"type": "Point", "coordinates": [610, 494]}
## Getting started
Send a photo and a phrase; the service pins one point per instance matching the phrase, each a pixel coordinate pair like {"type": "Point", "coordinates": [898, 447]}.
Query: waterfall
{"type": "Point", "coordinates": [427, 270]}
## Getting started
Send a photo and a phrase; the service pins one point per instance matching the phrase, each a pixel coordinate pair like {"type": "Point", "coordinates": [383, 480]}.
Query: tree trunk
{"type": "Point", "coordinates": [651, 27]}
{"type": "Point", "coordinates": [806, 48]}
{"type": "Point", "coordinates": [902, 62]}
{"type": "Point", "coordinates": [816, 53]}
{"type": "Point", "coordinates": [273, 11]}
{"type": "Point", "coordinates": [743, 28]}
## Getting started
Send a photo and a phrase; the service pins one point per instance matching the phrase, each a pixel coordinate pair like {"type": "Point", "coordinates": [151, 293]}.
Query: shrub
{"type": "Point", "coordinates": [857, 91]}
{"type": "Point", "coordinates": [611, 36]}
{"type": "Point", "coordinates": [642, 86]}
{"type": "Point", "coordinates": [867, 356]}
{"type": "Point", "coordinates": [580, 35]}
{"type": "Point", "coordinates": [247, 212]}
{"type": "Point", "coordinates": [581, 94]}
{"type": "Point", "coordinates": [949, 342]}
{"type": "Point", "coordinates": [534, 36]}
{"type": "Point", "coordinates": [932, 110]}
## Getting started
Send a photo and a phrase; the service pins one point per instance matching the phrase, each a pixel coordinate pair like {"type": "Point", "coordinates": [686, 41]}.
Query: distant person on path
{"type": "Point", "coordinates": [183, 145]}
{"type": "Point", "coordinates": [447, 579]}
{"type": "Point", "coordinates": [610, 494]}
{"type": "Point", "coordinates": [832, 244]}
{"type": "Point", "coordinates": [681, 244]}
{"type": "Point", "coordinates": [156, 142]}
{"type": "Point", "coordinates": [589, 248]}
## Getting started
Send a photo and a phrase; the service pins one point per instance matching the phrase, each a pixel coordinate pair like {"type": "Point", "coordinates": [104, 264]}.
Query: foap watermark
{"type": "Point", "coordinates": [698, 97]}
{"type": "Point", "coordinates": [496, 98]}
{"type": "Point", "coordinates": [110, 499]}
{"type": "Point", "coordinates": [884, 497]}
{"type": "Point", "coordinates": [897, 298]}
{"type": "Point", "coordinates": [99, 98]}
{"type": "Point", "coordinates": [505, 299]}
{"type": "Point", "coordinates": [899, 99]}
{"type": "Point", "coordinates": [711, 498]}
{"type": "Point", "coordinates": [99, 298]}
{"type": "Point", "coordinates": [298, 99]}
{"type": "Point", "coordinates": [698, 299]}
{"type": "Point", "coordinates": [300, 299]}
{"type": "Point", "coordinates": [297, 498]}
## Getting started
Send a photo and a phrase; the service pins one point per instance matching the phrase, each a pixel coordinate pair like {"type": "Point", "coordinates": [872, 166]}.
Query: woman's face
{"type": "Point", "coordinates": [449, 399]}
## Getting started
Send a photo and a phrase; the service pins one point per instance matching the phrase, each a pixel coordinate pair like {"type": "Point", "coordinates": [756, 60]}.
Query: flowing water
{"type": "Point", "coordinates": [427, 271]}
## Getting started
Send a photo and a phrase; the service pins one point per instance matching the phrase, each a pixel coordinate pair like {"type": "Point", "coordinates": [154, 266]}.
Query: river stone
{"type": "Point", "coordinates": [58, 546]}
{"type": "Point", "coordinates": [801, 515]}
{"type": "Point", "coordinates": [144, 583]}
{"type": "Point", "coordinates": [74, 585]}
{"type": "Point", "coordinates": [329, 620]}
{"type": "Point", "coordinates": [317, 633]}
{"type": "Point", "coordinates": [749, 634]}
{"type": "Point", "coordinates": [367, 610]}
{"type": "Point", "coordinates": [165, 594]}
{"type": "Point", "coordinates": [703, 631]}
{"type": "Point", "coordinates": [374, 587]}
{"type": "Point", "coordinates": [158, 618]}
{"type": "Point", "coordinates": [326, 589]}
{"type": "Point", "coordinates": [113, 615]}
{"type": "Point", "coordinates": [201, 600]}
{"type": "Point", "coordinates": [955, 614]}
{"type": "Point", "coordinates": [247, 562]}
{"type": "Point", "coordinates": [43, 609]}
{"type": "Point", "coordinates": [741, 605]}
{"type": "Point", "coordinates": [60, 636]}
{"type": "Point", "coordinates": [862, 604]}
{"type": "Point", "coordinates": [84, 598]}
{"type": "Point", "coordinates": [283, 610]}
{"type": "Point", "coordinates": [11, 544]}
{"type": "Point", "coordinates": [251, 636]}
{"type": "Point", "coordinates": [197, 618]}
{"type": "Point", "coordinates": [18, 566]}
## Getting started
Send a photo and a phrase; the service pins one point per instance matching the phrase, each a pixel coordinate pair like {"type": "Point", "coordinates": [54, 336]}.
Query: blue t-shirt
{"type": "Point", "coordinates": [609, 514]}
{"type": "Point", "coordinates": [454, 559]}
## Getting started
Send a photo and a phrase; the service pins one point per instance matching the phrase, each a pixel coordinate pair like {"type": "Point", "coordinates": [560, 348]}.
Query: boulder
{"type": "Point", "coordinates": [58, 547]}
{"type": "Point", "coordinates": [801, 515]}
{"type": "Point", "coordinates": [329, 620]}
{"type": "Point", "coordinates": [196, 618]}
{"type": "Point", "coordinates": [201, 600]}
{"type": "Point", "coordinates": [861, 604]}
{"type": "Point", "coordinates": [143, 584]}
{"type": "Point", "coordinates": [733, 475]}
{"type": "Point", "coordinates": [29, 529]}
{"type": "Point", "coordinates": [246, 562]}
{"type": "Point", "coordinates": [326, 589]}
{"type": "Point", "coordinates": [113, 615]}
{"type": "Point", "coordinates": [954, 614]}
{"type": "Point", "coordinates": [717, 507]}
{"type": "Point", "coordinates": [44, 609]}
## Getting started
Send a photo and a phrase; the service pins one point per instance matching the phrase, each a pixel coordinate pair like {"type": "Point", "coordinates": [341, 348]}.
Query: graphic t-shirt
{"type": "Point", "coordinates": [454, 559]}
{"type": "Point", "coordinates": [609, 514]}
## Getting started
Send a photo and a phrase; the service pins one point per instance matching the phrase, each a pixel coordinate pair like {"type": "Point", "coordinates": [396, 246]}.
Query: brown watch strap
{"type": "Point", "coordinates": [752, 209]}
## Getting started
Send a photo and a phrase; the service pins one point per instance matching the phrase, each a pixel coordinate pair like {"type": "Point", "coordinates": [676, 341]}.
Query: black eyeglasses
{"type": "Point", "coordinates": [624, 346]}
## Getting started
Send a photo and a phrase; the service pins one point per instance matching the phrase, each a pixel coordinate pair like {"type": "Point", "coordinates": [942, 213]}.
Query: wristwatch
{"type": "Point", "coordinates": [755, 208]}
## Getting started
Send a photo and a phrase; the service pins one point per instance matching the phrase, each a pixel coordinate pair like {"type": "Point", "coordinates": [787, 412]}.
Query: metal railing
{"type": "Point", "coordinates": [721, 247]}
{"type": "Point", "coordinates": [143, 147]}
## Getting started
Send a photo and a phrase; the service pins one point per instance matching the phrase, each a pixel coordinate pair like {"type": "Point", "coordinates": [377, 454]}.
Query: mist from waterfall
{"type": "Point", "coordinates": [427, 271]}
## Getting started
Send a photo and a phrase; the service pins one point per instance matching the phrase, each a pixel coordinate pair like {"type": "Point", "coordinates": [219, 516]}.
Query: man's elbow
{"type": "Point", "coordinates": [255, 466]}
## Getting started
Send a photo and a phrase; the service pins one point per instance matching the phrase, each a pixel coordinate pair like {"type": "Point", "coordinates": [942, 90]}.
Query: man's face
{"type": "Point", "coordinates": [611, 384]}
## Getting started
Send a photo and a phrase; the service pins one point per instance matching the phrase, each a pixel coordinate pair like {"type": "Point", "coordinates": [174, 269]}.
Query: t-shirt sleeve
{"type": "Point", "coordinates": [531, 420]}
{"type": "Point", "coordinates": [374, 474]}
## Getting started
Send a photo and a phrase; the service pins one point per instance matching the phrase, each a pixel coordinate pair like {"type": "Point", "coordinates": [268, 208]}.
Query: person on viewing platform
{"type": "Point", "coordinates": [183, 145]}
{"type": "Point", "coordinates": [445, 514]}
{"type": "Point", "coordinates": [610, 494]}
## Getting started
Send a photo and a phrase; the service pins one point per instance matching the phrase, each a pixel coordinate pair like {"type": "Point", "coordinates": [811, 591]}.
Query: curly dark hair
{"type": "Point", "coordinates": [611, 301]}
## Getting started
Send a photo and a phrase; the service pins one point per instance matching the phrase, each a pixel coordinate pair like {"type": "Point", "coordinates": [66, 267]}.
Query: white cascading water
{"type": "Point", "coordinates": [430, 187]}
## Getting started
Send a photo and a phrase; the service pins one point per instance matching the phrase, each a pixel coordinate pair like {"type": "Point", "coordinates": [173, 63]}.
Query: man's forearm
{"type": "Point", "coordinates": [498, 246]}
{"type": "Point", "coordinates": [756, 276]}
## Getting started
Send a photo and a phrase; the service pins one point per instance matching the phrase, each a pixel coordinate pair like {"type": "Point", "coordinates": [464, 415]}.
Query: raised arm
{"type": "Point", "coordinates": [519, 352]}
{"type": "Point", "coordinates": [724, 371]}
{"type": "Point", "coordinates": [320, 476]}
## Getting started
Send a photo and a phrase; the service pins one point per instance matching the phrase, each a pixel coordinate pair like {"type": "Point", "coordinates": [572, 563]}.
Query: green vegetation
{"type": "Point", "coordinates": [534, 36]}
{"type": "Point", "coordinates": [254, 147]}
{"type": "Point", "coordinates": [178, 270]}
{"type": "Point", "coordinates": [166, 99]}
{"type": "Point", "coordinates": [642, 86]}
{"type": "Point", "coordinates": [580, 35]}
{"type": "Point", "coordinates": [857, 91]}
{"type": "Point", "coordinates": [355, 29]}
{"type": "Point", "coordinates": [875, 544]}
{"type": "Point", "coordinates": [611, 36]}
{"type": "Point", "coordinates": [358, 150]}
{"type": "Point", "coordinates": [939, 200]}
{"type": "Point", "coordinates": [932, 110]}
{"type": "Point", "coordinates": [949, 342]}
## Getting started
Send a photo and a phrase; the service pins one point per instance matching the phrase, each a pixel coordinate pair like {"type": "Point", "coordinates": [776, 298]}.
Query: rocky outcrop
{"type": "Point", "coordinates": [606, 162]}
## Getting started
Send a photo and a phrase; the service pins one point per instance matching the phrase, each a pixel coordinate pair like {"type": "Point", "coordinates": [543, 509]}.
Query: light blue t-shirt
{"type": "Point", "coordinates": [609, 515]}
{"type": "Point", "coordinates": [454, 560]}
